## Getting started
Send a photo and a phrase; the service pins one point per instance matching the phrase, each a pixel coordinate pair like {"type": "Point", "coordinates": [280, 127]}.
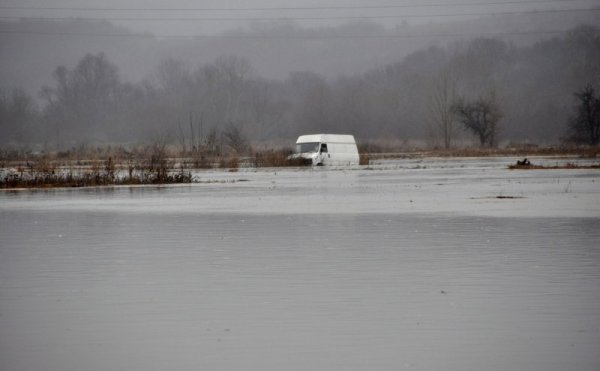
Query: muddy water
{"type": "Point", "coordinates": [122, 280]}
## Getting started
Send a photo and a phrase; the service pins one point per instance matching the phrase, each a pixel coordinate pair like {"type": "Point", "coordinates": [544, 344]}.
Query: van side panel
{"type": "Point", "coordinates": [341, 148]}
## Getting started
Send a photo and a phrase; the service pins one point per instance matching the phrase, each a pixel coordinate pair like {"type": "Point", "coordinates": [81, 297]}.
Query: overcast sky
{"type": "Point", "coordinates": [206, 19]}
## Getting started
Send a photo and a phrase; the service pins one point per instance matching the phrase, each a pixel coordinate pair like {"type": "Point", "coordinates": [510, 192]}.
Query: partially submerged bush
{"type": "Point", "coordinates": [45, 173]}
{"type": "Point", "coordinates": [272, 158]}
{"type": "Point", "coordinates": [231, 162]}
{"type": "Point", "coordinates": [527, 165]}
{"type": "Point", "coordinates": [363, 159]}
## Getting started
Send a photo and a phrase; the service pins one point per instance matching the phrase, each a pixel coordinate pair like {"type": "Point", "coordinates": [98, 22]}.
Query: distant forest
{"type": "Point", "coordinates": [91, 102]}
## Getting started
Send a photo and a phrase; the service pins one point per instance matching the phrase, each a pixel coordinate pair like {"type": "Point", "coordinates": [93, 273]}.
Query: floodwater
{"type": "Point", "coordinates": [411, 264]}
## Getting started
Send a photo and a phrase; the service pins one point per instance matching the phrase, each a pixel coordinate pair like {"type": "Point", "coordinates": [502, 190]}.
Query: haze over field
{"type": "Point", "coordinates": [152, 217]}
{"type": "Point", "coordinates": [276, 69]}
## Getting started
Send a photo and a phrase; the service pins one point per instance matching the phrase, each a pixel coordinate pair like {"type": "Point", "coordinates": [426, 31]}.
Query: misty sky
{"type": "Point", "coordinates": [28, 58]}
{"type": "Point", "coordinates": [207, 20]}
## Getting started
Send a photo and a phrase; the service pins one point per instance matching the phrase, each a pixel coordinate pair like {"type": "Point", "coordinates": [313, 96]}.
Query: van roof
{"type": "Point", "coordinates": [328, 138]}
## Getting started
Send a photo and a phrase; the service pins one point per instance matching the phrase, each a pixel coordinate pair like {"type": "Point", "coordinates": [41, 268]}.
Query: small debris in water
{"type": "Point", "coordinates": [500, 197]}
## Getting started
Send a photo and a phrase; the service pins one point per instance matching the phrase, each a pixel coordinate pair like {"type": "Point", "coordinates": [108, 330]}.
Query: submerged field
{"type": "Point", "coordinates": [454, 264]}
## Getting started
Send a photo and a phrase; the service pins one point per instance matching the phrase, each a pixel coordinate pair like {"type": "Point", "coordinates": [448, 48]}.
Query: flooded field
{"type": "Point", "coordinates": [436, 264]}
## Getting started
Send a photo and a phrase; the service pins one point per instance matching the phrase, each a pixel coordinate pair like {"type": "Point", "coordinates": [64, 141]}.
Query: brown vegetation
{"type": "Point", "coordinates": [568, 165]}
{"type": "Point", "coordinates": [525, 164]}
{"type": "Point", "coordinates": [162, 164]}
{"type": "Point", "coordinates": [154, 164]}
{"type": "Point", "coordinates": [511, 150]}
{"type": "Point", "coordinates": [363, 159]}
{"type": "Point", "coordinates": [46, 173]}
{"type": "Point", "coordinates": [87, 167]}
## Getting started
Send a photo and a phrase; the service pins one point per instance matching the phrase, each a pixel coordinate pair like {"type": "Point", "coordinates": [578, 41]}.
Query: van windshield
{"type": "Point", "coordinates": [307, 147]}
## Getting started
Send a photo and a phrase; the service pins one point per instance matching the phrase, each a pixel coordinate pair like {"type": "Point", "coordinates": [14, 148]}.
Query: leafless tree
{"type": "Point", "coordinates": [18, 114]}
{"type": "Point", "coordinates": [158, 164]}
{"type": "Point", "coordinates": [584, 126]}
{"type": "Point", "coordinates": [266, 107]}
{"type": "Point", "coordinates": [235, 139]}
{"type": "Point", "coordinates": [224, 83]}
{"type": "Point", "coordinates": [212, 142]}
{"type": "Point", "coordinates": [86, 100]}
{"type": "Point", "coordinates": [314, 101]}
{"type": "Point", "coordinates": [442, 119]}
{"type": "Point", "coordinates": [181, 138]}
{"type": "Point", "coordinates": [172, 75]}
{"type": "Point", "coordinates": [480, 116]}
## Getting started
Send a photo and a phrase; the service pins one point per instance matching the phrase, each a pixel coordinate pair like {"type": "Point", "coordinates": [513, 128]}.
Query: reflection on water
{"type": "Point", "coordinates": [187, 291]}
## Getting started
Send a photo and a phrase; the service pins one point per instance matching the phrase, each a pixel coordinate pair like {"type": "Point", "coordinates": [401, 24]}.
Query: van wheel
{"type": "Point", "coordinates": [320, 164]}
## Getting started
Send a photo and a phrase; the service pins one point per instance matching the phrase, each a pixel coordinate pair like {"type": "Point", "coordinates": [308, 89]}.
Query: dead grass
{"type": "Point", "coordinates": [158, 163]}
{"type": "Point", "coordinates": [519, 151]}
{"type": "Point", "coordinates": [231, 162]}
{"type": "Point", "coordinates": [568, 165]}
{"type": "Point", "coordinates": [49, 173]}
{"type": "Point", "coordinates": [364, 159]}
{"type": "Point", "coordinates": [152, 164]}
{"type": "Point", "coordinates": [87, 179]}
{"type": "Point", "coordinates": [272, 158]}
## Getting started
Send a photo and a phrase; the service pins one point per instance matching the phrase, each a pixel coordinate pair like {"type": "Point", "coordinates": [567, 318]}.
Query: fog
{"type": "Point", "coordinates": [185, 17]}
{"type": "Point", "coordinates": [370, 69]}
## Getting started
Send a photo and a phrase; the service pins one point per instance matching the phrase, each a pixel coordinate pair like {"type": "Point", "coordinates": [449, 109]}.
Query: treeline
{"type": "Point", "coordinates": [530, 88]}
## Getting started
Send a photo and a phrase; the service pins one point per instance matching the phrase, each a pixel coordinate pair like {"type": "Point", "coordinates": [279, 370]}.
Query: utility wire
{"type": "Point", "coordinates": [363, 7]}
{"type": "Point", "coordinates": [221, 19]}
{"type": "Point", "coordinates": [299, 37]}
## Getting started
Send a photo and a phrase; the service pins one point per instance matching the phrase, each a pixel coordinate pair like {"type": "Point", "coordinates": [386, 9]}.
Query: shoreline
{"type": "Point", "coordinates": [177, 172]}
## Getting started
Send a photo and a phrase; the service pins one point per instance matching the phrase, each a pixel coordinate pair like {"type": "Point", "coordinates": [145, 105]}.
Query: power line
{"type": "Point", "coordinates": [298, 37]}
{"type": "Point", "coordinates": [257, 19]}
{"type": "Point", "coordinates": [364, 7]}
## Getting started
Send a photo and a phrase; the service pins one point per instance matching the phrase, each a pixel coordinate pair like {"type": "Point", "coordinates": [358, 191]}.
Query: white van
{"type": "Point", "coordinates": [327, 149]}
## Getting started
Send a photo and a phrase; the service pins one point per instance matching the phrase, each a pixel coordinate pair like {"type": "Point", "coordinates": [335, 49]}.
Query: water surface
{"type": "Point", "coordinates": [303, 270]}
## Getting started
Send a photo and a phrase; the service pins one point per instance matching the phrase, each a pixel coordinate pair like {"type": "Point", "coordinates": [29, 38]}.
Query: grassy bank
{"type": "Point", "coordinates": [159, 164]}
{"type": "Point", "coordinates": [122, 167]}
{"type": "Point", "coordinates": [568, 165]}
{"type": "Point", "coordinates": [517, 151]}
{"type": "Point", "coordinates": [45, 173]}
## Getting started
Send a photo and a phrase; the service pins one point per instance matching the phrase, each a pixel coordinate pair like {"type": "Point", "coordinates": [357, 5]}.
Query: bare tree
{"type": "Point", "coordinates": [584, 126]}
{"type": "Point", "coordinates": [18, 115]}
{"type": "Point", "coordinates": [266, 107]}
{"type": "Point", "coordinates": [193, 141]}
{"type": "Point", "coordinates": [86, 100]}
{"type": "Point", "coordinates": [225, 82]}
{"type": "Point", "coordinates": [440, 108]}
{"type": "Point", "coordinates": [235, 139]}
{"type": "Point", "coordinates": [212, 142]}
{"type": "Point", "coordinates": [181, 138]}
{"type": "Point", "coordinates": [159, 163]}
{"type": "Point", "coordinates": [314, 98]}
{"type": "Point", "coordinates": [481, 117]}
{"type": "Point", "coordinates": [172, 75]}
